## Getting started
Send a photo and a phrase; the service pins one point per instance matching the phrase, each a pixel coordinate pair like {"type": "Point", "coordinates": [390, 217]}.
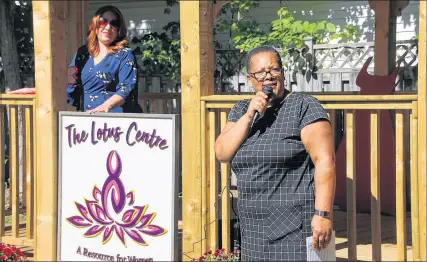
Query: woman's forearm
{"type": "Point", "coordinates": [114, 101]}
{"type": "Point", "coordinates": [230, 139]}
{"type": "Point", "coordinates": [324, 182]}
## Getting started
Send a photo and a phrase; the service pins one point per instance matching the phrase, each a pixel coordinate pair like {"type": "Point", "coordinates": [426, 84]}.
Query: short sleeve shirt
{"type": "Point", "coordinates": [275, 178]}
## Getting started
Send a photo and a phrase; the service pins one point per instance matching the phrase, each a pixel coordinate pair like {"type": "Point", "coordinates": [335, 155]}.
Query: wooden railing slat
{"type": "Point", "coordinates": [14, 184]}
{"type": "Point", "coordinates": [204, 126]}
{"type": "Point", "coordinates": [213, 182]}
{"type": "Point", "coordinates": [170, 106]}
{"type": "Point", "coordinates": [375, 187]}
{"type": "Point", "coordinates": [414, 183]}
{"type": "Point", "coordinates": [28, 152]}
{"type": "Point", "coordinates": [350, 127]}
{"type": "Point", "coordinates": [2, 173]}
{"type": "Point", "coordinates": [225, 199]}
{"type": "Point", "coordinates": [400, 191]}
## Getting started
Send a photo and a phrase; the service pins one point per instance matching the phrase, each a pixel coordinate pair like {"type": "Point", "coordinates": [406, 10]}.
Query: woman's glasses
{"type": "Point", "coordinates": [103, 22]}
{"type": "Point", "coordinates": [260, 76]}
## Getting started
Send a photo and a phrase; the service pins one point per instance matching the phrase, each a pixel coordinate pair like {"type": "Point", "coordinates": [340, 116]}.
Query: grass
{"type": "Point", "coordinates": [8, 219]}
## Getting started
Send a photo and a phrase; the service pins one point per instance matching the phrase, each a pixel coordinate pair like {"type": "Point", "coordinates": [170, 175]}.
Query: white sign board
{"type": "Point", "coordinates": [117, 187]}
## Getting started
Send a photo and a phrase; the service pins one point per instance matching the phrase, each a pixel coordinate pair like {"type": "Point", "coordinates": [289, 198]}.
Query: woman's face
{"type": "Point", "coordinates": [108, 28]}
{"type": "Point", "coordinates": [265, 70]}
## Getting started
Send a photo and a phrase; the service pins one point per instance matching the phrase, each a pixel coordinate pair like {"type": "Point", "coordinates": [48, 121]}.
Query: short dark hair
{"type": "Point", "coordinates": [262, 49]}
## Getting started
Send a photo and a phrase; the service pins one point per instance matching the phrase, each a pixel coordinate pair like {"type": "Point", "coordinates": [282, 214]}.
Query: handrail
{"type": "Point", "coordinates": [15, 99]}
{"type": "Point", "coordinates": [158, 95]}
{"type": "Point", "coordinates": [323, 98]}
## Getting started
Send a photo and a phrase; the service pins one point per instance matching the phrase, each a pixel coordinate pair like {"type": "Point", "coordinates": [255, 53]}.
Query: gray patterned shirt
{"type": "Point", "coordinates": [275, 180]}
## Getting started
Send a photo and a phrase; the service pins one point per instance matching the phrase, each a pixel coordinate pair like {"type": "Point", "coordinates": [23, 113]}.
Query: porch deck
{"type": "Point", "coordinates": [364, 241]}
{"type": "Point", "coordinates": [364, 238]}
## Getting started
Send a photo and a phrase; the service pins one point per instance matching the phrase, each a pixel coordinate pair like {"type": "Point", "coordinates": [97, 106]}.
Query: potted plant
{"type": "Point", "coordinates": [11, 253]}
{"type": "Point", "coordinates": [219, 255]}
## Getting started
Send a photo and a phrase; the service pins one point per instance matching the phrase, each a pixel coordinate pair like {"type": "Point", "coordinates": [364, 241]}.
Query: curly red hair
{"type": "Point", "coordinates": [92, 39]}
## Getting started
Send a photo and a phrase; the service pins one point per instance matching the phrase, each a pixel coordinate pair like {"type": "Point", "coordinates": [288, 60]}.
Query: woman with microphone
{"type": "Point", "coordinates": [284, 161]}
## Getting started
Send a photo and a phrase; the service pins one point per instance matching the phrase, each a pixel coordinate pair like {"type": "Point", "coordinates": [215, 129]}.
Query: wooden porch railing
{"type": "Point", "coordinates": [214, 116]}
{"type": "Point", "coordinates": [160, 103]}
{"type": "Point", "coordinates": [17, 117]}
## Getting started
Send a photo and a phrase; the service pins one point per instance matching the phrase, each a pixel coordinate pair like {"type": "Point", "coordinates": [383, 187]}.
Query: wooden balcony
{"type": "Point", "coordinates": [17, 199]}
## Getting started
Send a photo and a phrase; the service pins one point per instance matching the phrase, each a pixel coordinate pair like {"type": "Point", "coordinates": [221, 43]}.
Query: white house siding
{"type": "Point", "coordinates": [143, 16]}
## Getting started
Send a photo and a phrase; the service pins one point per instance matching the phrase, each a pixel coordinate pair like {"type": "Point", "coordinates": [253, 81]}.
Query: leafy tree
{"type": "Point", "coordinates": [285, 33]}
{"type": "Point", "coordinates": [160, 53]}
{"type": "Point", "coordinates": [21, 43]}
{"type": "Point", "coordinates": [23, 17]}
{"type": "Point", "coordinates": [10, 60]}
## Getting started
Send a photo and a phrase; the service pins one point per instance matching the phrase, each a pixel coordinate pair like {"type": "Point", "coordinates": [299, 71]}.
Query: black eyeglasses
{"type": "Point", "coordinates": [103, 22]}
{"type": "Point", "coordinates": [261, 75]}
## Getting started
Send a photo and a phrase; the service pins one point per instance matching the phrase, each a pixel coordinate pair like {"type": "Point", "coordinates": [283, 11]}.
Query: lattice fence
{"type": "Point", "coordinates": [353, 56]}
{"type": "Point", "coordinates": [321, 68]}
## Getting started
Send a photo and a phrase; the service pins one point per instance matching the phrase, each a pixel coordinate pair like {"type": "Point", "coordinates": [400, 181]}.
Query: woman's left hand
{"type": "Point", "coordinates": [322, 232]}
{"type": "Point", "coordinates": [103, 108]}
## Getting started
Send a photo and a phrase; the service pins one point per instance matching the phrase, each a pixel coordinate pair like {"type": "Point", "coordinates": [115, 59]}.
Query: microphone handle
{"type": "Point", "coordinates": [253, 122]}
{"type": "Point", "coordinates": [256, 115]}
{"type": "Point", "coordinates": [254, 119]}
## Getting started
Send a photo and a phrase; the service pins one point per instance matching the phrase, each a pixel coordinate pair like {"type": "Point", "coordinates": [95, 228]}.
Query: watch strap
{"type": "Point", "coordinates": [324, 214]}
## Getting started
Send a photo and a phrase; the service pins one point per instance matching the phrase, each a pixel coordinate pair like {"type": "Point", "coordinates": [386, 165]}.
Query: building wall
{"type": "Point", "coordinates": [144, 16]}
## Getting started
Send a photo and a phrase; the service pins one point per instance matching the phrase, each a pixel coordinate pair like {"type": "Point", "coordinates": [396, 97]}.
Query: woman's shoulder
{"type": "Point", "coordinates": [83, 49]}
{"type": "Point", "coordinates": [299, 97]}
{"type": "Point", "coordinates": [82, 54]}
{"type": "Point", "coordinates": [125, 51]}
{"type": "Point", "coordinates": [242, 104]}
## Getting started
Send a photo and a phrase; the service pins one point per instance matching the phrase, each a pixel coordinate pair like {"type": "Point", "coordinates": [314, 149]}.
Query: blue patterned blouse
{"type": "Point", "coordinates": [114, 74]}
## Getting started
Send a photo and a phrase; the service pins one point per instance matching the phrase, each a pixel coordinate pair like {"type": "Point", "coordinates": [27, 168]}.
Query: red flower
{"type": "Point", "coordinates": [3, 258]}
{"type": "Point", "coordinates": [7, 251]}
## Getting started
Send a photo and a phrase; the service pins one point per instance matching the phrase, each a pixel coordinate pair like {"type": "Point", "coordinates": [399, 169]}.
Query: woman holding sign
{"type": "Point", "coordinates": [103, 74]}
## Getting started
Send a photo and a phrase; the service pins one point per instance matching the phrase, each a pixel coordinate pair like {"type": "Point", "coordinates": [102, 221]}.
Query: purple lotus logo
{"type": "Point", "coordinates": [106, 213]}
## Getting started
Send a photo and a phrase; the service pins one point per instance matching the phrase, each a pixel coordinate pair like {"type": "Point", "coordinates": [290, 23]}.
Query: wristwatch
{"type": "Point", "coordinates": [324, 214]}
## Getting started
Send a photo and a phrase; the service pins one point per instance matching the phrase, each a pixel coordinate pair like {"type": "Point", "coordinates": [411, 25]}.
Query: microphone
{"type": "Point", "coordinates": [268, 90]}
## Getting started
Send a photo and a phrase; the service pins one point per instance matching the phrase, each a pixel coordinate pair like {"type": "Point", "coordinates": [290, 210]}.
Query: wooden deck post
{"type": "Point", "coordinates": [49, 21]}
{"type": "Point", "coordinates": [422, 129]}
{"type": "Point", "coordinates": [197, 66]}
{"type": "Point", "coordinates": [386, 13]}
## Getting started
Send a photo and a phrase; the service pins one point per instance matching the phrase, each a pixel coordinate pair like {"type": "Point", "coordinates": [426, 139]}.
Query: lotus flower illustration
{"type": "Point", "coordinates": [112, 210]}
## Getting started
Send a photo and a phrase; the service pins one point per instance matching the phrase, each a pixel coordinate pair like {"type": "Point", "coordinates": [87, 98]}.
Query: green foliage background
{"type": "Point", "coordinates": [161, 51]}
